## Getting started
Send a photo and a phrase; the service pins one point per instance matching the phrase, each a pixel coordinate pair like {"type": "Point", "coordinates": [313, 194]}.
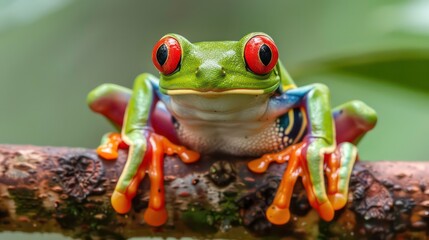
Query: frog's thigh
{"type": "Point", "coordinates": [162, 122]}
{"type": "Point", "coordinates": [111, 100]}
{"type": "Point", "coordinates": [352, 120]}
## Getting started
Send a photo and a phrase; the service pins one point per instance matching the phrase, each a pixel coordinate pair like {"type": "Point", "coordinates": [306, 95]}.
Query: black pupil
{"type": "Point", "coordinates": [265, 54]}
{"type": "Point", "coordinates": [161, 54]}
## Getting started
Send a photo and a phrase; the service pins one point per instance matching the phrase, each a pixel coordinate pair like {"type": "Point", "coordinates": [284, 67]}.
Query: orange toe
{"type": "Point", "coordinates": [154, 217]}
{"type": "Point", "coordinates": [278, 216]}
{"type": "Point", "coordinates": [337, 200]}
{"type": "Point", "coordinates": [120, 202]}
{"type": "Point", "coordinates": [258, 165]}
{"type": "Point", "coordinates": [326, 211]}
{"type": "Point", "coordinates": [186, 155]}
{"type": "Point", "coordinates": [189, 156]}
{"type": "Point", "coordinates": [107, 152]}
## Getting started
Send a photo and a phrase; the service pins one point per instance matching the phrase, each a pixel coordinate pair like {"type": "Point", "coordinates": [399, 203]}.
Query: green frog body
{"type": "Point", "coordinates": [234, 98]}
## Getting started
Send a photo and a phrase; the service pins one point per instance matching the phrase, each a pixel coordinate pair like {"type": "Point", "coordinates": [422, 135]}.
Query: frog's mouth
{"type": "Point", "coordinates": [211, 92]}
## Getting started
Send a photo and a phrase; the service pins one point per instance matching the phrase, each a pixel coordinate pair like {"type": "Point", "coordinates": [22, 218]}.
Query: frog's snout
{"type": "Point", "coordinates": [209, 71]}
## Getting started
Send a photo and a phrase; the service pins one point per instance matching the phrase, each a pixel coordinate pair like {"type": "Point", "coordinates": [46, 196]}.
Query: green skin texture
{"type": "Point", "coordinates": [200, 64]}
{"type": "Point", "coordinates": [236, 76]}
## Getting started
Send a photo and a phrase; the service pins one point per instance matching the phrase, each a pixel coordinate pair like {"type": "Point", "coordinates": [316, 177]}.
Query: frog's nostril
{"type": "Point", "coordinates": [210, 70]}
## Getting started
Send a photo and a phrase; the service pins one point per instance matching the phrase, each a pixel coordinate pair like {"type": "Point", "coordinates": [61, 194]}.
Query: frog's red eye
{"type": "Point", "coordinates": [166, 55]}
{"type": "Point", "coordinates": [260, 54]}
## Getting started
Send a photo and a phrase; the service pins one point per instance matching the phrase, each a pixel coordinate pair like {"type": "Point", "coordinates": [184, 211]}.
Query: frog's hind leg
{"type": "Point", "coordinates": [156, 214]}
{"type": "Point", "coordinates": [352, 121]}
{"type": "Point", "coordinates": [111, 101]}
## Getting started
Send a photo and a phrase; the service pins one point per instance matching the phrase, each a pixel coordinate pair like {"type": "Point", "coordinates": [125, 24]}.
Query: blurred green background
{"type": "Point", "coordinates": [53, 52]}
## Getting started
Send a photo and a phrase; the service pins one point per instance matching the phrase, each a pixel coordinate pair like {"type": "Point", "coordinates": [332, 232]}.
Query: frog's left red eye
{"type": "Point", "coordinates": [260, 54]}
{"type": "Point", "coordinates": [166, 55]}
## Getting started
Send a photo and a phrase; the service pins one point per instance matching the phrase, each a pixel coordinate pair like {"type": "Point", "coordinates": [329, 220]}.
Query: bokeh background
{"type": "Point", "coordinates": [53, 52]}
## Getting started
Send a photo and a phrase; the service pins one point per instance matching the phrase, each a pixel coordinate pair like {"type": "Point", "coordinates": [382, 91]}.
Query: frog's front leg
{"type": "Point", "coordinates": [146, 146]}
{"type": "Point", "coordinates": [316, 153]}
{"type": "Point", "coordinates": [152, 151]}
{"type": "Point", "coordinates": [110, 100]}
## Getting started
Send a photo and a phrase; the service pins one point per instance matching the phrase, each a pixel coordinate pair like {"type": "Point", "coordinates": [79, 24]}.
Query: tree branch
{"type": "Point", "coordinates": [67, 190]}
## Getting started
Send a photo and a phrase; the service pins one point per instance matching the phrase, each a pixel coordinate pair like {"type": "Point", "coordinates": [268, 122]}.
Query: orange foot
{"type": "Point", "coordinates": [110, 145]}
{"type": "Point", "coordinates": [153, 164]}
{"type": "Point", "coordinates": [337, 166]}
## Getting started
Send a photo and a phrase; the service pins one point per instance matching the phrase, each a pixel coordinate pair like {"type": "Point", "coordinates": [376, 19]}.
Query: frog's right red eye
{"type": "Point", "coordinates": [166, 55]}
{"type": "Point", "coordinates": [260, 54]}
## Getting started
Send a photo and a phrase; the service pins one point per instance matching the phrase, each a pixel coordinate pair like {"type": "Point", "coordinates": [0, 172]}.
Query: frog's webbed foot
{"type": "Point", "coordinates": [337, 167]}
{"type": "Point", "coordinates": [109, 146]}
{"type": "Point", "coordinates": [152, 164]}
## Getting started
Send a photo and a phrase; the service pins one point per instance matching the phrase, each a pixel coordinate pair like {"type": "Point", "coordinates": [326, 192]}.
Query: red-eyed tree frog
{"type": "Point", "coordinates": [236, 98]}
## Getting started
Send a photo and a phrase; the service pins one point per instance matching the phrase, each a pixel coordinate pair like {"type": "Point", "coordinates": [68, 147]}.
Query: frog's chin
{"type": "Point", "coordinates": [209, 107]}
{"type": "Point", "coordinates": [213, 93]}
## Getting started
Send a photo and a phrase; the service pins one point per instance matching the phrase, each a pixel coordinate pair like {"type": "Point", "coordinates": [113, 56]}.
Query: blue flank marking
{"type": "Point", "coordinates": [297, 124]}
{"type": "Point", "coordinates": [299, 92]}
{"type": "Point", "coordinates": [284, 122]}
{"type": "Point", "coordinates": [287, 100]}
{"type": "Point", "coordinates": [155, 84]}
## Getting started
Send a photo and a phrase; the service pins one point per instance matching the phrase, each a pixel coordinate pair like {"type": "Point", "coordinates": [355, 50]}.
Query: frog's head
{"type": "Point", "coordinates": [247, 66]}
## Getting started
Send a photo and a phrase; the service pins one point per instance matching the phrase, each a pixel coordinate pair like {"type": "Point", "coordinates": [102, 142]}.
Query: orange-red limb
{"type": "Point", "coordinates": [156, 214]}
{"type": "Point", "coordinates": [278, 213]}
{"type": "Point", "coordinates": [153, 165]}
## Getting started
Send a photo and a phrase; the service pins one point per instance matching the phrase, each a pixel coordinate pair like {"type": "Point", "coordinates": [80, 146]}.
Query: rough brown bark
{"type": "Point", "coordinates": [67, 190]}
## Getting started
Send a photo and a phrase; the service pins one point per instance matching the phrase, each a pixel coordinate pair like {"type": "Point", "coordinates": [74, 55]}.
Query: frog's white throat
{"type": "Point", "coordinates": [228, 124]}
{"type": "Point", "coordinates": [218, 107]}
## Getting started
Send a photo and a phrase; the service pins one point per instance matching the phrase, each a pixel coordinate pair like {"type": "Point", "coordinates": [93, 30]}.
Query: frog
{"type": "Point", "coordinates": [234, 98]}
